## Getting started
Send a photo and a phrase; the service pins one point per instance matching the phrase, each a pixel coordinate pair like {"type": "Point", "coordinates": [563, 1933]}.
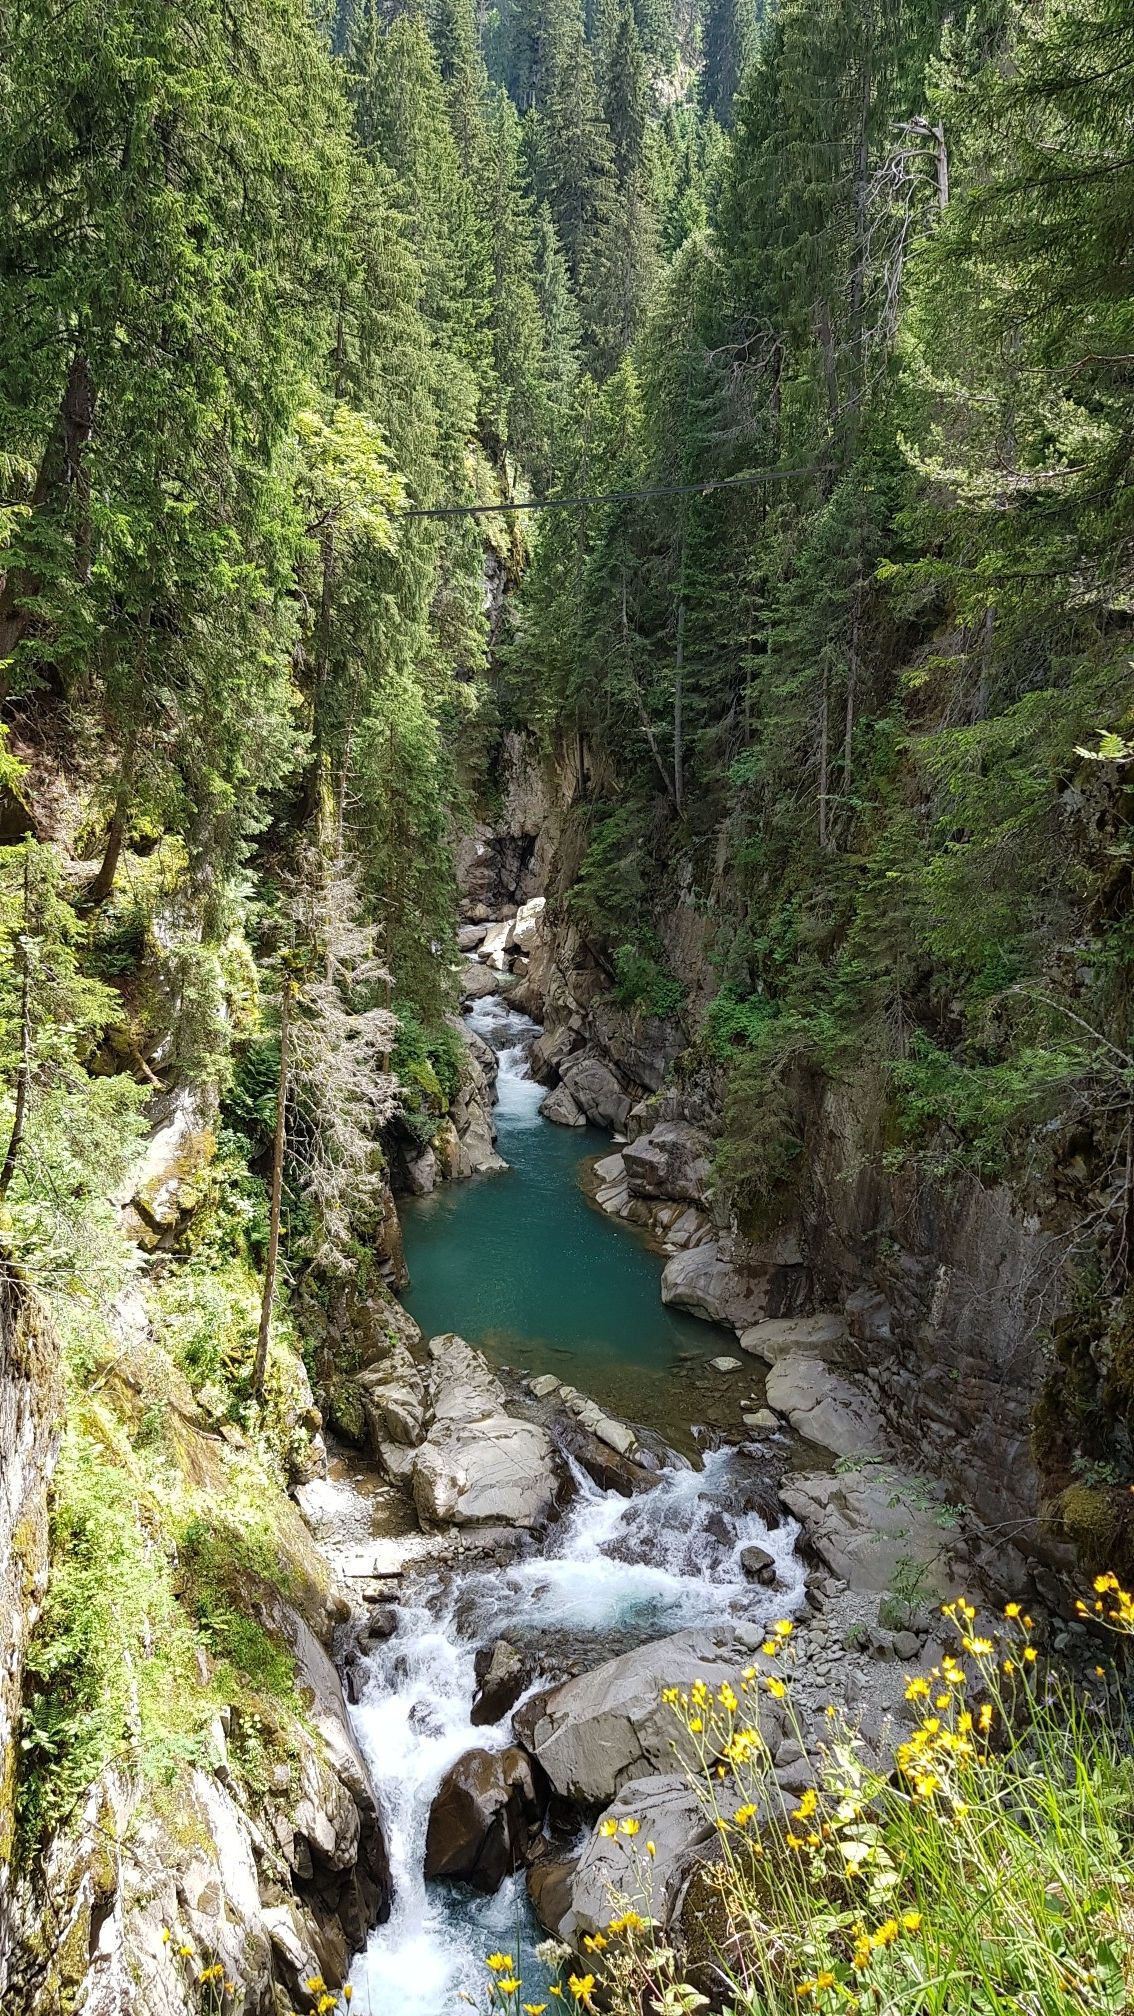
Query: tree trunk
{"type": "Point", "coordinates": [61, 467]}
{"type": "Point", "coordinates": [261, 1365]}
{"type": "Point", "coordinates": [678, 698]}
{"type": "Point", "coordinates": [942, 151]}
{"type": "Point", "coordinates": [103, 882]}
{"type": "Point", "coordinates": [823, 760]}
{"type": "Point", "coordinates": [23, 1072]}
{"type": "Point", "coordinates": [852, 682]}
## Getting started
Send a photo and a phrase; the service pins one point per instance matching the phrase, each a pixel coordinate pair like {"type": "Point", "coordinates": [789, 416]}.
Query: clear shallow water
{"type": "Point", "coordinates": [523, 1266]}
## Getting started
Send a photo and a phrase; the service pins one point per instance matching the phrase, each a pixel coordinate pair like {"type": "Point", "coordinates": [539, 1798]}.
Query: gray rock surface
{"type": "Point", "coordinates": [708, 1281]}
{"type": "Point", "coordinates": [484, 1818]}
{"type": "Point", "coordinates": [825, 1406]}
{"type": "Point", "coordinates": [879, 1527]}
{"type": "Point", "coordinates": [478, 1463]}
{"type": "Point", "coordinates": [560, 1106]}
{"type": "Point", "coordinates": [594, 1733]}
{"type": "Point", "coordinates": [822, 1336]}
{"type": "Point", "coordinates": [671, 1161]}
{"type": "Point", "coordinates": [615, 1871]}
{"type": "Point", "coordinates": [594, 1086]}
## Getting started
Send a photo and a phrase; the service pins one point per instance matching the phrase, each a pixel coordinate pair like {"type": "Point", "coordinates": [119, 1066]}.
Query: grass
{"type": "Point", "coordinates": [987, 1869]}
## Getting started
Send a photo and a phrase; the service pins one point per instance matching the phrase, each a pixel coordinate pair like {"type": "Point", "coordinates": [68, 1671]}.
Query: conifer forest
{"type": "Point", "coordinates": [566, 1007]}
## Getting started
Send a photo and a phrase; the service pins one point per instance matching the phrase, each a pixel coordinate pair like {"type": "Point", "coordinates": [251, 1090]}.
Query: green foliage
{"type": "Point", "coordinates": [108, 1666]}
{"type": "Point", "coordinates": [641, 983]}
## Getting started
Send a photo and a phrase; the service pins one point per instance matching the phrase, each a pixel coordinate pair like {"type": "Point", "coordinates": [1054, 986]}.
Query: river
{"type": "Point", "coordinates": [523, 1266]}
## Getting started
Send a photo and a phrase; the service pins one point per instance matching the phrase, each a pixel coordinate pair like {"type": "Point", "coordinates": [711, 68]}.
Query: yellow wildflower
{"type": "Point", "coordinates": [534, 2008]}
{"type": "Point", "coordinates": [650, 1848]}
{"type": "Point", "coordinates": [807, 1804]}
{"type": "Point", "coordinates": [917, 1690]}
{"type": "Point", "coordinates": [911, 1920]}
{"type": "Point", "coordinates": [581, 1986]}
{"type": "Point", "coordinates": [1011, 1609]}
{"type": "Point", "coordinates": [500, 1963]}
{"type": "Point", "coordinates": [630, 1826]}
{"type": "Point", "coordinates": [1030, 1654]}
{"type": "Point", "coordinates": [508, 1984]}
{"type": "Point", "coordinates": [784, 1628]}
{"type": "Point", "coordinates": [315, 1983]}
{"type": "Point", "coordinates": [744, 1814]}
{"type": "Point", "coordinates": [825, 1980]}
{"type": "Point", "coordinates": [608, 1827]}
{"type": "Point", "coordinates": [695, 1725]}
{"type": "Point", "coordinates": [775, 1687]}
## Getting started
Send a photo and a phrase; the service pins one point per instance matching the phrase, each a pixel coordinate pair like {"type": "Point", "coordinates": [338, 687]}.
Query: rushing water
{"type": "Point", "coordinates": [523, 1266]}
{"type": "Point", "coordinates": [614, 1573]}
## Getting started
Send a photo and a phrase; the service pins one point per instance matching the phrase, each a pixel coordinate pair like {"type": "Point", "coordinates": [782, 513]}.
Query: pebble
{"type": "Point", "coordinates": [724, 1364]}
{"type": "Point", "coordinates": [762, 1418]}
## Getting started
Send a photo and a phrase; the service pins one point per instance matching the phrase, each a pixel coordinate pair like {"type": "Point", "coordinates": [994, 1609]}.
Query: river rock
{"type": "Point", "coordinates": [394, 1398]}
{"type": "Point", "coordinates": [529, 920]}
{"type": "Point", "coordinates": [593, 1086]}
{"type": "Point", "coordinates": [496, 944]}
{"type": "Point", "coordinates": [550, 1051]}
{"type": "Point", "coordinates": [725, 1364]}
{"type": "Point", "coordinates": [501, 1676]}
{"type": "Point", "coordinates": [477, 982]}
{"type": "Point", "coordinates": [879, 1527]}
{"type": "Point", "coordinates": [470, 937]}
{"type": "Point", "coordinates": [562, 1108]}
{"type": "Point", "coordinates": [594, 1733]}
{"type": "Point", "coordinates": [549, 1888]}
{"type": "Point", "coordinates": [671, 1161]}
{"type": "Point", "coordinates": [478, 1463]}
{"type": "Point", "coordinates": [703, 1281]}
{"type": "Point", "coordinates": [825, 1406]}
{"type": "Point", "coordinates": [822, 1336]}
{"type": "Point", "coordinates": [615, 1870]}
{"type": "Point", "coordinates": [484, 1818]}
{"type": "Point", "coordinates": [759, 1565]}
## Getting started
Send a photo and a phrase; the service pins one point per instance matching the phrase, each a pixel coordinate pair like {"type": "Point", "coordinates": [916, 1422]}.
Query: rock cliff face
{"type": "Point", "coordinates": [949, 1287]}
{"type": "Point", "coordinates": [30, 1403]}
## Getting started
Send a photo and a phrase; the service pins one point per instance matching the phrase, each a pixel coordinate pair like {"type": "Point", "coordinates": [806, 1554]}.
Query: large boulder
{"type": "Point", "coordinates": [561, 1107]}
{"type": "Point", "coordinates": [736, 1289]}
{"type": "Point", "coordinates": [529, 920]}
{"type": "Point", "coordinates": [881, 1530]}
{"type": "Point", "coordinates": [615, 1870]}
{"type": "Point", "coordinates": [477, 982]}
{"type": "Point", "coordinates": [672, 1161]}
{"type": "Point", "coordinates": [593, 1086]}
{"type": "Point", "coordinates": [479, 1463]}
{"type": "Point", "coordinates": [594, 1733]}
{"type": "Point", "coordinates": [825, 1406]}
{"type": "Point", "coordinates": [484, 1819]}
{"type": "Point", "coordinates": [393, 1398]}
{"type": "Point", "coordinates": [822, 1336]}
{"type": "Point", "coordinates": [497, 943]}
{"type": "Point", "coordinates": [501, 1676]}
{"type": "Point", "coordinates": [550, 1051]}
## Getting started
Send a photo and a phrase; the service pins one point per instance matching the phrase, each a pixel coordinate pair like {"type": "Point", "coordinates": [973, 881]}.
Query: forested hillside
{"type": "Point", "coordinates": [811, 327]}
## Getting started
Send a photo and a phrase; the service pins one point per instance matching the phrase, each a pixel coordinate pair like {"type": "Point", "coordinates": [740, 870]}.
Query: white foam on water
{"type": "Point", "coordinates": [511, 1035]}
{"type": "Point", "coordinates": [665, 1560]}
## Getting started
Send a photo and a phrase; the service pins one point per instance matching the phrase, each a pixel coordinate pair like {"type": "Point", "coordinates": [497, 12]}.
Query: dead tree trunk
{"type": "Point", "coordinates": [261, 1365]}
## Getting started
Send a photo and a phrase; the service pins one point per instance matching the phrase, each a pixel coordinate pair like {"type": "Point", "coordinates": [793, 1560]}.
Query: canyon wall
{"type": "Point", "coordinates": [949, 1285]}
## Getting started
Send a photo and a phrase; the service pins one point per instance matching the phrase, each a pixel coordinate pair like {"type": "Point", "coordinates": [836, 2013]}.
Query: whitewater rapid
{"type": "Point", "coordinates": [612, 1573]}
